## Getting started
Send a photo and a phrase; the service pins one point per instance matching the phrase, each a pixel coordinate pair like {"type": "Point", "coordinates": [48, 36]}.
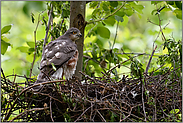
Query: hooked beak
{"type": "Point", "coordinates": [79, 35]}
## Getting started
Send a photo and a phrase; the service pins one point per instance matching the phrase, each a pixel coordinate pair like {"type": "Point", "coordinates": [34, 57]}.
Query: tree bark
{"type": "Point", "coordinates": [77, 19]}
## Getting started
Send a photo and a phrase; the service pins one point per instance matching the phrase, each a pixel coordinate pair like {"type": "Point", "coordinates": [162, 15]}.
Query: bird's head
{"type": "Point", "coordinates": [73, 33]}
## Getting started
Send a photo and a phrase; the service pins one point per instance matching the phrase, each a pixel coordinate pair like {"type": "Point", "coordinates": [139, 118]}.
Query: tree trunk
{"type": "Point", "coordinates": [77, 19]}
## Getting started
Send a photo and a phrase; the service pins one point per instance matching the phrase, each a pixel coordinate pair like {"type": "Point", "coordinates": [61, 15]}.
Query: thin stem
{"type": "Point", "coordinates": [115, 35]}
{"type": "Point", "coordinates": [48, 27]}
{"type": "Point", "coordinates": [35, 44]}
{"type": "Point", "coordinates": [108, 15]}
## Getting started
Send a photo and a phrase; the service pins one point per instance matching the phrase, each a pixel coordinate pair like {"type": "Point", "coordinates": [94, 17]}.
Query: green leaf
{"type": "Point", "coordinates": [125, 22]}
{"type": "Point", "coordinates": [110, 21]}
{"type": "Point", "coordinates": [178, 13]}
{"type": "Point", "coordinates": [53, 66]}
{"type": "Point", "coordinates": [4, 38]}
{"type": "Point", "coordinates": [93, 4]}
{"type": "Point", "coordinates": [30, 44]}
{"type": "Point", "coordinates": [178, 4]}
{"type": "Point", "coordinates": [23, 49]}
{"type": "Point", "coordinates": [95, 11]}
{"type": "Point", "coordinates": [5, 29]}
{"type": "Point", "coordinates": [120, 13]}
{"type": "Point", "coordinates": [128, 12]}
{"type": "Point", "coordinates": [174, 111]}
{"type": "Point", "coordinates": [66, 13]}
{"type": "Point", "coordinates": [155, 2]}
{"type": "Point", "coordinates": [150, 32]}
{"type": "Point", "coordinates": [4, 46]}
{"type": "Point", "coordinates": [103, 32]}
{"type": "Point", "coordinates": [138, 8]}
{"type": "Point", "coordinates": [99, 43]}
{"type": "Point", "coordinates": [31, 50]}
{"type": "Point", "coordinates": [170, 2]}
{"type": "Point", "coordinates": [118, 18]}
{"type": "Point", "coordinates": [94, 51]}
{"type": "Point", "coordinates": [105, 6]}
{"type": "Point", "coordinates": [113, 3]}
{"type": "Point", "coordinates": [155, 10]}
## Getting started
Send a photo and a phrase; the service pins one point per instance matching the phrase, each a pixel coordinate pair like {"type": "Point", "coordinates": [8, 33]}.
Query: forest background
{"type": "Point", "coordinates": [134, 34]}
{"type": "Point", "coordinates": [117, 42]}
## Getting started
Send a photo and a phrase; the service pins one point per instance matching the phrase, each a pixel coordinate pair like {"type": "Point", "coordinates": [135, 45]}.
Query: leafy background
{"type": "Point", "coordinates": [109, 33]}
{"type": "Point", "coordinates": [134, 33]}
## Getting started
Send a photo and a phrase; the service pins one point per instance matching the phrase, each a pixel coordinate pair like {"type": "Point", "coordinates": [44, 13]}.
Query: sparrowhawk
{"type": "Point", "coordinates": [59, 58]}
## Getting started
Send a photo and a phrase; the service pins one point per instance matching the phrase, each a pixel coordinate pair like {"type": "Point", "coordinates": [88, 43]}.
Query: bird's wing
{"type": "Point", "coordinates": [57, 52]}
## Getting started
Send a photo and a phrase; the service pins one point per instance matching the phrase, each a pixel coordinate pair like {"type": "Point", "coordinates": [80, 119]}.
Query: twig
{"type": "Point", "coordinates": [143, 101]}
{"type": "Point", "coordinates": [51, 26]}
{"type": "Point", "coordinates": [142, 88]}
{"type": "Point", "coordinates": [160, 27]}
{"type": "Point", "coordinates": [35, 44]}
{"type": "Point", "coordinates": [8, 113]}
{"type": "Point", "coordinates": [155, 100]}
{"type": "Point", "coordinates": [150, 60]}
{"type": "Point", "coordinates": [127, 116]}
{"type": "Point", "coordinates": [108, 15]}
{"type": "Point", "coordinates": [114, 41]}
{"type": "Point", "coordinates": [101, 116]}
{"type": "Point", "coordinates": [137, 54]}
{"type": "Point", "coordinates": [121, 63]}
{"type": "Point", "coordinates": [90, 31]}
{"type": "Point", "coordinates": [49, 96]}
{"type": "Point", "coordinates": [48, 27]}
{"type": "Point", "coordinates": [4, 77]}
{"type": "Point", "coordinates": [157, 69]}
{"type": "Point", "coordinates": [115, 35]}
{"type": "Point", "coordinates": [84, 112]}
{"type": "Point", "coordinates": [51, 111]}
{"type": "Point", "coordinates": [34, 109]}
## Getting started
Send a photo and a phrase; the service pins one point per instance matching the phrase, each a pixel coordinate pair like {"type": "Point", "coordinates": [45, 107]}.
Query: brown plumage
{"type": "Point", "coordinates": [62, 54]}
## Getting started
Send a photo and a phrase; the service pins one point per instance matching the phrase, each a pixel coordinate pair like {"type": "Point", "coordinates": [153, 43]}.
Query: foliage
{"type": "Point", "coordinates": [175, 6]}
{"type": "Point", "coordinates": [115, 33]}
{"type": "Point", "coordinates": [4, 40]}
{"type": "Point", "coordinates": [174, 56]}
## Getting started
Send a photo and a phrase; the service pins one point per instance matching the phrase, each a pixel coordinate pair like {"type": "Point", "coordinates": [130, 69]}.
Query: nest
{"type": "Point", "coordinates": [92, 99]}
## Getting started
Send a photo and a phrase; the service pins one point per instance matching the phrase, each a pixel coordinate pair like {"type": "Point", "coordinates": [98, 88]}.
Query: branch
{"type": "Point", "coordinates": [150, 60]}
{"type": "Point", "coordinates": [35, 44]}
{"type": "Point", "coordinates": [143, 105]}
{"type": "Point", "coordinates": [84, 112]}
{"type": "Point", "coordinates": [160, 25]}
{"type": "Point", "coordinates": [108, 15]}
{"type": "Point", "coordinates": [8, 114]}
{"type": "Point", "coordinates": [34, 109]}
{"type": "Point", "coordinates": [121, 63]}
{"type": "Point", "coordinates": [48, 27]}
{"type": "Point", "coordinates": [115, 35]}
{"type": "Point", "coordinates": [51, 112]}
{"type": "Point", "coordinates": [90, 31]}
{"type": "Point", "coordinates": [4, 77]}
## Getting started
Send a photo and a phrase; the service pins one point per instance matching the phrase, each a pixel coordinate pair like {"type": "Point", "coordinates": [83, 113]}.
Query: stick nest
{"type": "Point", "coordinates": [104, 99]}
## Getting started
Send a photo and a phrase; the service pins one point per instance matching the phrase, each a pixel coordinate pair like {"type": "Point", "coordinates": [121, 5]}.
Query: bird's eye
{"type": "Point", "coordinates": [74, 33]}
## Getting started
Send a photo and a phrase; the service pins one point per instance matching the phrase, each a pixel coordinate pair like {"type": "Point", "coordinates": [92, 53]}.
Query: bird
{"type": "Point", "coordinates": [59, 58]}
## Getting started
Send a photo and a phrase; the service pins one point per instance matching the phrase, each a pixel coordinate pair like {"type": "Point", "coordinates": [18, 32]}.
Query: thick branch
{"type": "Point", "coordinates": [77, 19]}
